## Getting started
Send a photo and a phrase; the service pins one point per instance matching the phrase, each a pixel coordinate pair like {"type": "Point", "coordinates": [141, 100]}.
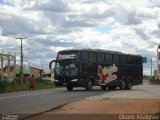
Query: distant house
{"type": "Point", "coordinates": [48, 75]}
{"type": "Point", "coordinates": [26, 72]}
{"type": "Point", "coordinates": [5, 72]}
{"type": "Point", "coordinates": [36, 71]}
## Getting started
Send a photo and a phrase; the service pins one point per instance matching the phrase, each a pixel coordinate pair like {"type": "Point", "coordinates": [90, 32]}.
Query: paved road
{"type": "Point", "coordinates": [32, 102]}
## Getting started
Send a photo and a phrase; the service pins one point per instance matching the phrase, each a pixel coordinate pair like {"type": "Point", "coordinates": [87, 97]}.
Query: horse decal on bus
{"type": "Point", "coordinates": [106, 74]}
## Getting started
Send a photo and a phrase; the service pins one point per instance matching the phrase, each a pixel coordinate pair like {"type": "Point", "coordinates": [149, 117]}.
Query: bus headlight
{"type": "Point", "coordinates": [74, 80]}
{"type": "Point", "coordinates": [56, 80]}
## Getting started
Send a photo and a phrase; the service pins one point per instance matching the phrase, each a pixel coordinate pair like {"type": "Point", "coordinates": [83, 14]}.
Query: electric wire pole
{"type": "Point", "coordinates": [21, 68]}
{"type": "Point", "coordinates": [151, 67]}
{"type": "Point", "coordinates": [158, 55]}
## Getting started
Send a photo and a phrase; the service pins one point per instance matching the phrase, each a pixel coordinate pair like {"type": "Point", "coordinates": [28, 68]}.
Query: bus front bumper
{"type": "Point", "coordinates": [65, 82]}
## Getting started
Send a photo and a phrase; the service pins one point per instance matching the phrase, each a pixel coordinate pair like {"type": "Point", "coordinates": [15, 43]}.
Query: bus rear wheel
{"type": "Point", "coordinates": [69, 87]}
{"type": "Point", "coordinates": [123, 85]}
{"type": "Point", "coordinates": [129, 85]}
{"type": "Point", "coordinates": [111, 87]}
{"type": "Point", "coordinates": [103, 87]}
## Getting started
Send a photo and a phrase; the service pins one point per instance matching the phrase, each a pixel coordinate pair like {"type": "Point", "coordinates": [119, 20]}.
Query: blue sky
{"type": "Point", "coordinates": [6, 2]}
{"type": "Point", "coordinates": [105, 28]}
{"type": "Point", "coordinates": [130, 26]}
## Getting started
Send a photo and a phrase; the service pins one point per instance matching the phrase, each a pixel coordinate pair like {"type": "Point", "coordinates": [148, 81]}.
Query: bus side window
{"type": "Point", "coordinates": [115, 59]}
{"type": "Point", "coordinates": [130, 60]}
{"type": "Point", "coordinates": [84, 57]}
{"type": "Point", "coordinates": [137, 61]}
{"type": "Point", "coordinates": [92, 57]}
{"type": "Point", "coordinates": [123, 59]}
{"type": "Point", "coordinates": [108, 58]}
{"type": "Point", "coordinates": [100, 57]}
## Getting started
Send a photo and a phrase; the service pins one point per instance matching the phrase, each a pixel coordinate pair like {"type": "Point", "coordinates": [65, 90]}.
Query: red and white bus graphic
{"type": "Point", "coordinates": [106, 74]}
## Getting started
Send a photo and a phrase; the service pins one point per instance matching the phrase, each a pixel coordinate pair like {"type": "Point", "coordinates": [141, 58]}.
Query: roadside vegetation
{"type": "Point", "coordinates": [7, 86]}
{"type": "Point", "coordinates": [155, 80]}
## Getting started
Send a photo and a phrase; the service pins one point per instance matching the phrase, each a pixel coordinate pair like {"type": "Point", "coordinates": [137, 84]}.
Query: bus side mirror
{"type": "Point", "coordinates": [50, 64]}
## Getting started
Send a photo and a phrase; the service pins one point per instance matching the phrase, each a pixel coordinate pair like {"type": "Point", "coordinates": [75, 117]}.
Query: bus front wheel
{"type": "Point", "coordinates": [69, 87]}
{"type": "Point", "coordinates": [89, 85]}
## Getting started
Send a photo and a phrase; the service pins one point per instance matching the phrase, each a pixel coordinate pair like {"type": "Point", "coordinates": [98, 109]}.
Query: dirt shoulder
{"type": "Point", "coordinates": [110, 106]}
{"type": "Point", "coordinates": [101, 109]}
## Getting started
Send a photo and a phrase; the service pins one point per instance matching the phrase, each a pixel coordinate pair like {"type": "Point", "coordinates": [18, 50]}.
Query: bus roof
{"type": "Point", "coordinates": [97, 50]}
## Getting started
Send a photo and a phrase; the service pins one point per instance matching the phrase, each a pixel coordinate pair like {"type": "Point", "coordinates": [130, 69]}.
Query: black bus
{"type": "Point", "coordinates": [94, 67]}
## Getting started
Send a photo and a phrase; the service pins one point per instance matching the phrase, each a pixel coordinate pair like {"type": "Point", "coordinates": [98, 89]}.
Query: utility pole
{"type": "Point", "coordinates": [158, 60]}
{"type": "Point", "coordinates": [42, 65]}
{"type": "Point", "coordinates": [14, 76]}
{"type": "Point", "coordinates": [151, 67]}
{"type": "Point", "coordinates": [21, 69]}
{"type": "Point", "coordinates": [8, 67]}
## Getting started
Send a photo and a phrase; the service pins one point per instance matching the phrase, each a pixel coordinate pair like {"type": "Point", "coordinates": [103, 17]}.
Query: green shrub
{"type": "Point", "coordinates": [40, 80]}
{"type": "Point", "coordinates": [44, 84]}
{"type": "Point", "coordinates": [4, 85]}
{"type": "Point", "coordinates": [17, 80]}
{"type": "Point", "coordinates": [16, 88]}
{"type": "Point", "coordinates": [155, 80]}
{"type": "Point", "coordinates": [7, 86]}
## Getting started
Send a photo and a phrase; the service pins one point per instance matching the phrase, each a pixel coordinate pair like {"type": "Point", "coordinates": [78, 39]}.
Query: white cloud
{"type": "Point", "coordinates": [52, 25]}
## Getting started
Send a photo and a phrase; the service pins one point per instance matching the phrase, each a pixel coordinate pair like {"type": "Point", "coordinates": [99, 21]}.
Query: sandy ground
{"type": "Point", "coordinates": [110, 106]}
{"type": "Point", "coordinates": [102, 109]}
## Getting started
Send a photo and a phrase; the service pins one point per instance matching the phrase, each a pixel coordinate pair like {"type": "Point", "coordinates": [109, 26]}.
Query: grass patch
{"type": "Point", "coordinates": [155, 80]}
{"type": "Point", "coordinates": [15, 88]}
{"type": "Point", "coordinates": [6, 86]}
{"type": "Point", "coordinates": [44, 84]}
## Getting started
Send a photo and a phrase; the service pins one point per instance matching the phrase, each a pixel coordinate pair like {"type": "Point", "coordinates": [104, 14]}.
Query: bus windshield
{"type": "Point", "coordinates": [67, 68]}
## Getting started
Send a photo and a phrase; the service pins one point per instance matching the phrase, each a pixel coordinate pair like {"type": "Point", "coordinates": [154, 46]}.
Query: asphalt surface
{"type": "Point", "coordinates": [33, 102]}
{"type": "Point", "coordinates": [38, 101]}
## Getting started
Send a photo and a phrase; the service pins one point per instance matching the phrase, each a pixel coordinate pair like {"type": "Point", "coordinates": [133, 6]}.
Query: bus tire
{"type": "Point", "coordinates": [111, 87]}
{"type": "Point", "coordinates": [89, 85]}
{"type": "Point", "coordinates": [129, 85]}
{"type": "Point", "coordinates": [123, 85]}
{"type": "Point", "coordinates": [69, 87]}
{"type": "Point", "coordinates": [103, 87]}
